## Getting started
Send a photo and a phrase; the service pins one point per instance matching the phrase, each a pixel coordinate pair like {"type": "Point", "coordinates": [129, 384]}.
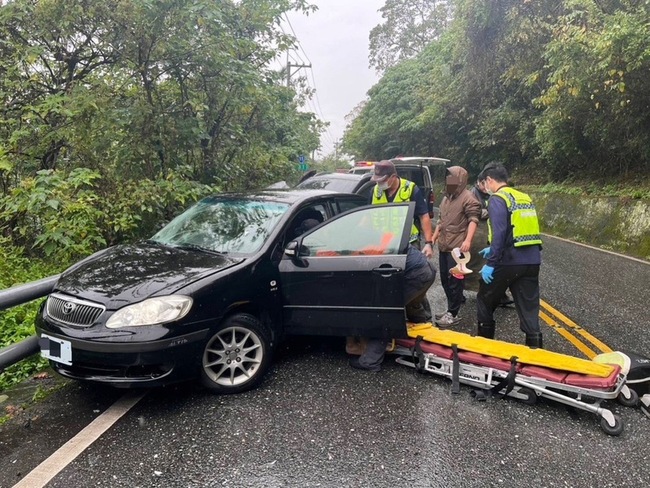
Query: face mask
{"type": "Point", "coordinates": [383, 186]}
{"type": "Point", "coordinates": [487, 188]}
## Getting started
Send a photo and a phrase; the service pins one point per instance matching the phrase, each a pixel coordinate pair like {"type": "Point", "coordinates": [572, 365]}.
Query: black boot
{"type": "Point", "coordinates": [486, 330]}
{"type": "Point", "coordinates": [534, 340]}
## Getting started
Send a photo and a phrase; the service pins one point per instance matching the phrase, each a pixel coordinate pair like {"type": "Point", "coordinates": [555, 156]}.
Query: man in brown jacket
{"type": "Point", "coordinates": [459, 216]}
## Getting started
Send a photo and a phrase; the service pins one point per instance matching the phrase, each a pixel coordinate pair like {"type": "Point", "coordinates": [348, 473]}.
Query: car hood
{"type": "Point", "coordinates": [127, 274]}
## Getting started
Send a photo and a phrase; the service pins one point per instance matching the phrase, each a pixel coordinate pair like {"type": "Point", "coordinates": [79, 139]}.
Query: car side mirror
{"type": "Point", "coordinates": [295, 250]}
{"type": "Point", "coordinates": [292, 249]}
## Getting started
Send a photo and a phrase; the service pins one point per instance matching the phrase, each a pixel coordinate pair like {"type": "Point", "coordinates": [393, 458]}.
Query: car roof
{"type": "Point", "coordinates": [289, 196]}
{"type": "Point", "coordinates": [335, 176]}
{"type": "Point", "coordinates": [421, 160]}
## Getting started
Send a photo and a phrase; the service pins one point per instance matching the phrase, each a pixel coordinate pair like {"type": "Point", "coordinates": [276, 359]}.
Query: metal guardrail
{"type": "Point", "coordinates": [17, 295]}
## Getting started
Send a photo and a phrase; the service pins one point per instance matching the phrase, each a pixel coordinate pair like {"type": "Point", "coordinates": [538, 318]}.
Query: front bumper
{"type": "Point", "coordinates": [128, 364]}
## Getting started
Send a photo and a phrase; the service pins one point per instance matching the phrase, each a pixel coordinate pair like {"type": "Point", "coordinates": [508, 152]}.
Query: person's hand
{"type": "Point", "coordinates": [465, 246]}
{"type": "Point", "coordinates": [427, 250]}
{"type": "Point", "coordinates": [485, 252]}
{"type": "Point", "coordinates": [486, 273]}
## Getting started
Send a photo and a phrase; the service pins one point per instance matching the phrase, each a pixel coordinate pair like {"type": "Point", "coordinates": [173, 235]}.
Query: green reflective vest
{"type": "Point", "coordinates": [403, 194]}
{"type": "Point", "coordinates": [523, 217]}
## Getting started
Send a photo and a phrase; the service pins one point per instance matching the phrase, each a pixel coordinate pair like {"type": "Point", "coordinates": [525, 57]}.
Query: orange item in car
{"type": "Point", "coordinates": [373, 250]}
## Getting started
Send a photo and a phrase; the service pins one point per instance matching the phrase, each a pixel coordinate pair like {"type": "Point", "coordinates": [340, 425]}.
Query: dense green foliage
{"type": "Point", "coordinates": [407, 27]}
{"type": "Point", "coordinates": [115, 115]}
{"type": "Point", "coordinates": [557, 89]}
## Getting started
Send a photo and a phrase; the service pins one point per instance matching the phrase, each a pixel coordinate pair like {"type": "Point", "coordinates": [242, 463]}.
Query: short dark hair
{"type": "Point", "coordinates": [494, 170]}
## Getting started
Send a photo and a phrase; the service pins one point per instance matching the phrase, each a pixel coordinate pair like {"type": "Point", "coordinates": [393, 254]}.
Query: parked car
{"type": "Point", "coordinates": [427, 172]}
{"type": "Point", "coordinates": [362, 167]}
{"type": "Point", "coordinates": [211, 293]}
{"type": "Point", "coordinates": [340, 182]}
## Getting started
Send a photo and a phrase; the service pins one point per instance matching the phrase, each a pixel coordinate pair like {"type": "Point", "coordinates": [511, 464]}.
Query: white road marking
{"type": "Point", "coordinates": [48, 469]}
{"type": "Point", "coordinates": [643, 261]}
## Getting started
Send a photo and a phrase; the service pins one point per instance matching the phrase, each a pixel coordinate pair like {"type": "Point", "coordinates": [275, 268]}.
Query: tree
{"type": "Point", "coordinates": [409, 25]}
{"type": "Point", "coordinates": [141, 94]}
{"type": "Point", "coordinates": [595, 116]}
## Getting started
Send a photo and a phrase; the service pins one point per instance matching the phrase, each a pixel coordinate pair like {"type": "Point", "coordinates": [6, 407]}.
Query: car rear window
{"type": "Point", "coordinates": [332, 184]}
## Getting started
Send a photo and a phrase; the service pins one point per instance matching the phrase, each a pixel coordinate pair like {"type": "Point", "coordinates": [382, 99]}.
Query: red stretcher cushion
{"type": "Point", "coordinates": [544, 373]}
{"type": "Point", "coordinates": [428, 347]}
{"type": "Point", "coordinates": [489, 361]}
{"type": "Point", "coordinates": [589, 381]}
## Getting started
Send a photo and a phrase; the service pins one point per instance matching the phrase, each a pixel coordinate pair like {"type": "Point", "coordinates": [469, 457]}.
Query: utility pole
{"type": "Point", "coordinates": [291, 65]}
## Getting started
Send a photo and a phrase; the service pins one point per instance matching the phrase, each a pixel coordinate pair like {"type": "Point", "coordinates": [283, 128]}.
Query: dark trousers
{"type": "Point", "coordinates": [453, 287]}
{"type": "Point", "coordinates": [523, 281]}
{"type": "Point", "coordinates": [416, 283]}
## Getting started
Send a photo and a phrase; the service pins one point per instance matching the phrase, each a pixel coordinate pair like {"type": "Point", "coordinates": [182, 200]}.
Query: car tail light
{"type": "Point", "coordinates": [432, 200]}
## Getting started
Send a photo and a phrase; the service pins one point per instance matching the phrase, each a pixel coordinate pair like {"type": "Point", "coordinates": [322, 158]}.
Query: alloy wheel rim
{"type": "Point", "coordinates": [233, 356]}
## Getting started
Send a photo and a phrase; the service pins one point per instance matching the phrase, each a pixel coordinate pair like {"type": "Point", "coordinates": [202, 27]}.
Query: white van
{"type": "Point", "coordinates": [428, 173]}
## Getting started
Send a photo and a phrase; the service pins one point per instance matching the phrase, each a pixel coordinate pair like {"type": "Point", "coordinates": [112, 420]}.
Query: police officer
{"type": "Point", "coordinates": [390, 188]}
{"type": "Point", "coordinates": [513, 258]}
{"type": "Point", "coordinates": [419, 273]}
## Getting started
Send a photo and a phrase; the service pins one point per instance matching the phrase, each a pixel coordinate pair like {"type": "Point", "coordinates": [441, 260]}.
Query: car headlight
{"type": "Point", "coordinates": [152, 311]}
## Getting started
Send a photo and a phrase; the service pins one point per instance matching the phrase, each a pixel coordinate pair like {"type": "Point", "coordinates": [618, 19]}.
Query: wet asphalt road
{"type": "Point", "coordinates": [316, 422]}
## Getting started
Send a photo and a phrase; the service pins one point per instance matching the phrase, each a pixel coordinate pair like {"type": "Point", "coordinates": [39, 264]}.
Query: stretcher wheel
{"type": "Point", "coordinates": [615, 430]}
{"type": "Point", "coordinates": [631, 401]}
{"type": "Point", "coordinates": [531, 396]}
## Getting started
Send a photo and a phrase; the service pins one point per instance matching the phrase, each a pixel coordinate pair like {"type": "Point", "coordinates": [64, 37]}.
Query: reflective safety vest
{"type": "Point", "coordinates": [403, 194]}
{"type": "Point", "coordinates": [523, 217]}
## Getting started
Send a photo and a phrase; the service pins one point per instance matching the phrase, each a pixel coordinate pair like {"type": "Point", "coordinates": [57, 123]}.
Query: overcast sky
{"type": "Point", "coordinates": [335, 40]}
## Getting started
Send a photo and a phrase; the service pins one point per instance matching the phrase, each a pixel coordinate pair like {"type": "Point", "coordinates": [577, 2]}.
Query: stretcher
{"type": "Point", "coordinates": [496, 369]}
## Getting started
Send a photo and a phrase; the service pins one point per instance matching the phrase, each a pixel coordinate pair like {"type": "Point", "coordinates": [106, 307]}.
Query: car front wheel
{"type": "Point", "coordinates": [236, 357]}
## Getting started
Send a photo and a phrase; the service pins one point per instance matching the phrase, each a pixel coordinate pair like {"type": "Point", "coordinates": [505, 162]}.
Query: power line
{"type": "Point", "coordinates": [317, 108]}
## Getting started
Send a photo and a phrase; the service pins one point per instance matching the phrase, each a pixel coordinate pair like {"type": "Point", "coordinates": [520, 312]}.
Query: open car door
{"type": "Point", "coordinates": [346, 276]}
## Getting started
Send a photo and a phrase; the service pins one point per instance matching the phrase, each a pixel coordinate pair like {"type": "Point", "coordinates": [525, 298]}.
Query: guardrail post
{"type": "Point", "coordinates": [17, 295]}
{"type": "Point", "coordinates": [17, 352]}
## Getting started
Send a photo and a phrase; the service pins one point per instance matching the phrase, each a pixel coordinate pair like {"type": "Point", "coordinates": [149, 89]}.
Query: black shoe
{"type": "Point", "coordinates": [534, 341]}
{"type": "Point", "coordinates": [486, 330]}
{"type": "Point", "coordinates": [354, 362]}
{"type": "Point", "coordinates": [419, 320]}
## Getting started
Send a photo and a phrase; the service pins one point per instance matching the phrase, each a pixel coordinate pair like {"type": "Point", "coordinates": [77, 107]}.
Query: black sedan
{"type": "Point", "coordinates": [212, 293]}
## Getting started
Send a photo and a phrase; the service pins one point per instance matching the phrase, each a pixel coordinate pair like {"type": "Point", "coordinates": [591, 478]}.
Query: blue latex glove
{"type": "Point", "coordinates": [486, 273]}
{"type": "Point", "coordinates": [485, 252]}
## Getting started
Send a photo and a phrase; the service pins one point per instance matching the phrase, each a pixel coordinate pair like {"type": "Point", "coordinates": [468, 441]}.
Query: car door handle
{"type": "Point", "coordinates": [387, 271]}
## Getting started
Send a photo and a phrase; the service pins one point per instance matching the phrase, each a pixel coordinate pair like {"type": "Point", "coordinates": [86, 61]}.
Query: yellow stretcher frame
{"type": "Point", "coordinates": [506, 350]}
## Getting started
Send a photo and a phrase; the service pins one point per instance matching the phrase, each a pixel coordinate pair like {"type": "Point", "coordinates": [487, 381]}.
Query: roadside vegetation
{"type": "Point", "coordinates": [556, 89]}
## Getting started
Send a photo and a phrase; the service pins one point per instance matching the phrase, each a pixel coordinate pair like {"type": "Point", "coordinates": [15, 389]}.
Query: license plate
{"type": "Point", "coordinates": [58, 350]}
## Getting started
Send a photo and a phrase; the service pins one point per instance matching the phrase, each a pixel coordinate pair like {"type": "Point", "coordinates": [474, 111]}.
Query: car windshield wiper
{"type": "Point", "coordinates": [195, 247]}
